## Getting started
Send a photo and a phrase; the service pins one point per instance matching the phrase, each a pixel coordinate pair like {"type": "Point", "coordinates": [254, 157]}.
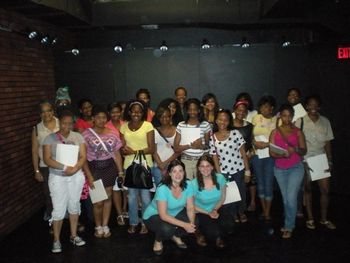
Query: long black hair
{"type": "Point", "coordinates": [165, 104]}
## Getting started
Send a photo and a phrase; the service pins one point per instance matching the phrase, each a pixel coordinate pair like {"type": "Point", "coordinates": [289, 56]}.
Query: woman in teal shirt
{"type": "Point", "coordinates": [171, 212]}
{"type": "Point", "coordinates": [209, 195]}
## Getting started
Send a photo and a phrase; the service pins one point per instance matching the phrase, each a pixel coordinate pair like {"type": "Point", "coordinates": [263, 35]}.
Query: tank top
{"type": "Point", "coordinates": [294, 158]}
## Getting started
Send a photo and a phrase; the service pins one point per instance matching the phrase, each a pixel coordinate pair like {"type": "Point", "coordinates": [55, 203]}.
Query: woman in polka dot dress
{"type": "Point", "coordinates": [227, 149]}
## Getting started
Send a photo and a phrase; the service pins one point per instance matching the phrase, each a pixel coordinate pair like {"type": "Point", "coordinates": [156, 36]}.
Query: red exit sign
{"type": "Point", "coordinates": [343, 52]}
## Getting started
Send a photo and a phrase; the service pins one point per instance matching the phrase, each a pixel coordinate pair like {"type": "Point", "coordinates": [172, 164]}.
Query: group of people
{"type": "Point", "coordinates": [194, 149]}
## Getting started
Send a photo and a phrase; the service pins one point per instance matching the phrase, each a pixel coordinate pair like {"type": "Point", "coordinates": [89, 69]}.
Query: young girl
{"type": "Point", "coordinates": [192, 149]}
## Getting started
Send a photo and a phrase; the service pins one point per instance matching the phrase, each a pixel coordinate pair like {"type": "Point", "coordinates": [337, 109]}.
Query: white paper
{"type": "Point", "coordinates": [189, 135]}
{"type": "Point", "coordinates": [98, 193]}
{"type": "Point", "coordinates": [67, 154]}
{"type": "Point", "coordinates": [299, 111]}
{"type": "Point", "coordinates": [262, 153]}
{"type": "Point", "coordinates": [165, 152]}
{"type": "Point", "coordinates": [279, 150]}
{"type": "Point", "coordinates": [232, 193]}
{"type": "Point", "coordinates": [318, 165]}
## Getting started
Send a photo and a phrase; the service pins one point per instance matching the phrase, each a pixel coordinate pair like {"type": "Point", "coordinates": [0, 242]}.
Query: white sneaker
{"type": "Point", "coordinates": [56, 247]}
{"type": "Point", "coordinates": [77, 241]}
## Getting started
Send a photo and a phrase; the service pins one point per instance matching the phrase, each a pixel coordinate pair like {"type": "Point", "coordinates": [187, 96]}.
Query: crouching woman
{"type": "Point", "coordinates": [171, 213]}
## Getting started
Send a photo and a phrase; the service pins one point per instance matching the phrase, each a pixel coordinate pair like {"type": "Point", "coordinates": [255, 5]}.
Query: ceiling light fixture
{"type": "Point", "coordinates": [245, 43]}
{"type": "Point", "coordinates": [44, 40]}
{"type": "Point", "coordinates": [33, 34]}
{"type": "Point", "coordinates": [205, 44]}
{"type": "Point", "coordinates": [163, 47]}
{"type": "Point", "coordinates": [118, 48]}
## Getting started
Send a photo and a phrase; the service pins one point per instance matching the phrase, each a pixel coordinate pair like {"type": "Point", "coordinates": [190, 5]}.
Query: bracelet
{"type": "Point", "coordinates": [247, 173]}
{"type": "Point", "coordinates": [64, 167]}
{"type": "Point", "coordinates": [37, 171]}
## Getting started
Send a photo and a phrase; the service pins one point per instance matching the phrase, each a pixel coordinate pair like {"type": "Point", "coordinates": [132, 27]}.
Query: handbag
{"type": "Point", "coordinates": [138, 174]}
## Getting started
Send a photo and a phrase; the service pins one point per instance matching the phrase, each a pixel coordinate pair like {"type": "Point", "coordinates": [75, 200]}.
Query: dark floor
{"type": "Point", "coordinates": [251, 242]}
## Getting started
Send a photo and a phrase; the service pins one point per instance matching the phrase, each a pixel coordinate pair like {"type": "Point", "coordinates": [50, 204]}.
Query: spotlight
{"type": "Point", "coordinates": [205, 44]}
{"type": "Point", "coordinates": [44, 40]}
{"type": "Point", "coordinates": [245, 43]}
{"type": "Point", "coordinates": [118, 49]}
{"type": "Point", "coordinates": [286, 44]}
{"type": "Point", "coordinates": [75, 51]}
{"type": "Point", "coordinates": [163, 47]}
{"type": "Point", "coordinates": [33, 34]}
{"type": "Point", "coordinates": [54, 41]}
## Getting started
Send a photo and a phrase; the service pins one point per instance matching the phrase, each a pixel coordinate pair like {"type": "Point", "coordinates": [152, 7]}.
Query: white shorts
{"type": "Point", "coordinates": [65, 192]}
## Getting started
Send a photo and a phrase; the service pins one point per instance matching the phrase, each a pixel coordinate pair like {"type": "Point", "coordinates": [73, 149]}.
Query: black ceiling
{"type": "Point", "coordinates": [331, 17]}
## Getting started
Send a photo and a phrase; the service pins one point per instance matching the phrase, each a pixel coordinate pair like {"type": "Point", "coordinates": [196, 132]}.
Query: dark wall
{"type": "Point", "coordinates": [105, 76]}
{"type": "Point", "coordinates": [225, 70]}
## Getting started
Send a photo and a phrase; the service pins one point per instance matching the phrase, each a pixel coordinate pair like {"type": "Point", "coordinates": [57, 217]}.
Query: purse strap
{"type": "Point", "coordinates": [99, 139]}
{"type": "Point", "coordinates": [161, 135]}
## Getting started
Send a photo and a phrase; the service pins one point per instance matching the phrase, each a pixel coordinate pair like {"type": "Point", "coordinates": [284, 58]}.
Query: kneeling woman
{"type": "Point", "coordinates": [65, 182]}
{"type": "Point", "coordinates": [209, 195]}
{"type": "Point", "coordinates": [171, 213]}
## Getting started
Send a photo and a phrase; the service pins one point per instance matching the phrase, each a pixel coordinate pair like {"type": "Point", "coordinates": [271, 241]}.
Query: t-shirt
{"type": "Point", "coordinates": [208, 198]}
{"type": "Point", "coordinates": [263, 126]}
{"type": "Point", "coordinates": [164, 148]}
{"type": "Point", "coordinates": [95, 149]}
{"type": "Point", "coordinates": [110, 125]}
{"type": "Point", "coordinates": [74, 138]}
{"type": "Point", "coordinates": [42, 132]}
{"type": "Point", "coordinates": [174, 205]}
{"type": "Point", "coordinates": [247, 133]}
{"type": "Point", "coordinates": [250, 115]}
{"type": "Point", "coordinates": [82, 124]}
{"type": "Point", "coordinates": [316, 135]}
{"type": "Point", "coordinates": [204, 129]}
{"type": "Point", "coordinates": [230, 158]}
{"type": "Point", "coordinates": [136, 140]}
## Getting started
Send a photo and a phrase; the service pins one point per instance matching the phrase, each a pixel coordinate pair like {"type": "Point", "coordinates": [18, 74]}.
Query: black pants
{"type": "Point", "coordinates": [48, 203]}
{"type": "Point", "coordinates": [214, 228]}
{"type": "Point", "coordinates": [164, 230]}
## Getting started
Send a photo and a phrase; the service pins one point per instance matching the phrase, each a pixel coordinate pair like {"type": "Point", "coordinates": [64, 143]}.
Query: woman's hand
{"type": "Point", "coordinates": [90, 180]}
{"type": "Point", "coordinates": [190, 228]}
{"type": "Point", "coordinates": [261, 145]}
{"type": "Point", "coordinates": [214, 214]}
{"type": "Point", "coordinates": [127, 150]}
{"type": "Point", "coordinates": [70, 171]}
{"type": "Point", "coordinates": [39, 177]}
{"type": "Point", "coordinates": [197, 144]}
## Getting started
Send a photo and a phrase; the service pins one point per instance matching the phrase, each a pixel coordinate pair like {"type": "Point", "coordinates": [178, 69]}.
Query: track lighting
{"type": "Point", "coordinates": [33, 34]}
{"type": "Point", "coordinates": [245, 43]}
{"type": "Point", "coordinates": [118, 49]}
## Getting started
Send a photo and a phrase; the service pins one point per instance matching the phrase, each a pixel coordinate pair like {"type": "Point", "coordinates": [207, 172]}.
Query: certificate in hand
{"type": "Point", "coordinates": [299, 111]}
{"type": "Point", "coordinates": [67, 154]}
{"type": "Point", "coordinates": [189, 135]}
{"type": "Point", "coordinates": [232, 193]}
{"type": "Point", "coordinates": [166, 152]}
{"type": "Point", "coordinates": [98, 193]}
{"type": "Point", "coordinates": [318, 165]}
{"type": "Point", "coordinates": [262, 153]}
{"type": "Point", "coordinates": [276, 149]}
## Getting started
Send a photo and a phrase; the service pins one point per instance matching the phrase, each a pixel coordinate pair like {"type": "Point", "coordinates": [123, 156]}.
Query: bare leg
{"type": "Point", "coordinates": [324, 199]}
{"type": "Point", "coordinates": [308, 199]}
{"type": "Point", "coordinates": [267, 209]}
{"type": "Point", "coordinates": [117, 200]}
{"type": "Point", "coordinates": [57, 226]}
{"type": "Point", "coordinates": [73, 220]}
{"type": "Point", "coordinates": [107, 206]}
{"type": "Point", "coordinates": [98, 207]}
{"type": "Point", "coordinates": [252, 191]}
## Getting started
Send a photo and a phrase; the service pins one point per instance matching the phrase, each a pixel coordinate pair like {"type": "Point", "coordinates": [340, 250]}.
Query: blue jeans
{"type": "Point", "coordinates": [157, 175]}
{"type": "Point", "coordinates": [289, 181]}
{"type": "Point", "coordinates": [133, 193]}
{"type": "Point", "coordinates": [263, 169]}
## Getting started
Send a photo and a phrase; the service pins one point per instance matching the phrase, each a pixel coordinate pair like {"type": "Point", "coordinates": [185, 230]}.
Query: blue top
{"type": "Point", "coordinates": [174, 205]}
{"type": "Point", "coordinates": [206, 199]}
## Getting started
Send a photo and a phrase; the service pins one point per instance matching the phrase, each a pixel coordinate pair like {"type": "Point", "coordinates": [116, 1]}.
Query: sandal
{"type": "Point", "coordinates": [143, 230]}
{"type": "Point", "coordinates": [106, 232]}
{"type": "Point", "coordinates": [310, 224]}
{"type": "Point", "coordinates": [158, 247]}
{"type": "Point", "coordinates": [243, 218]}
{"type": "Point", "coordinates": [125, 214]}
{"type": "Point", "coordinates": [178, 242]}
{"type": "Point", "coordinates": [132, 229]}
{"type": "Point", "coordinates": [287, 234]}
{"type": "Point", "coordinates": [328, 224]}
{"type": "Point", "coordinates": [98, 232]}
{"type": "Point", "coordinates": [120, 220]}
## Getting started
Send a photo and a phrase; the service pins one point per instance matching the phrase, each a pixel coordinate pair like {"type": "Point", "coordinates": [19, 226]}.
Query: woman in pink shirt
{"type": "Point", "coordinates": [288, 170]}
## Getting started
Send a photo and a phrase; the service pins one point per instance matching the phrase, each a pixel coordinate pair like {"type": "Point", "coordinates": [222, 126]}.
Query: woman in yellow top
{"type": "Point", "coordinates": [137, 134]}
{"type": "Point", "coordinates": [263, 164]}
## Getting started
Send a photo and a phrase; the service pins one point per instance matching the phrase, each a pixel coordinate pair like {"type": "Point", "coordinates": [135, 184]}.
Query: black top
{"type": "Point", "coordinates": [247, 133]}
